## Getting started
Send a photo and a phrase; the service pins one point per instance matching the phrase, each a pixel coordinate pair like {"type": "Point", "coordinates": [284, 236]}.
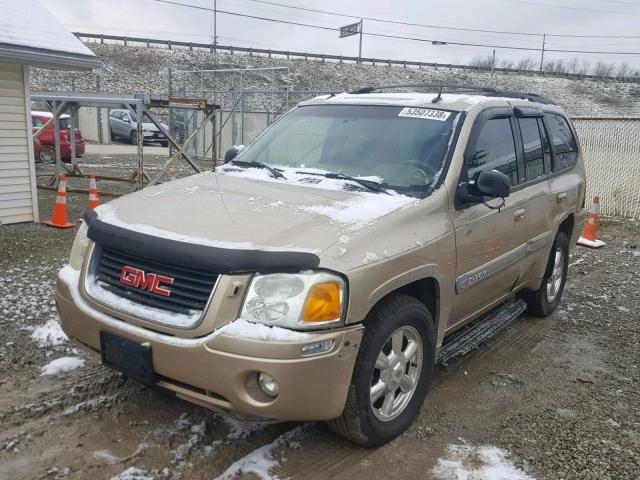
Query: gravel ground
{"type": "Point", "coordinates": [552, 398]}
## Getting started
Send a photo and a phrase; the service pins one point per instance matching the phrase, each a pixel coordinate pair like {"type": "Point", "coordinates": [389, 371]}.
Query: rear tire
{"type": "Point", "coordinates": [164, 144]}
{"type": "Point", "coordinates": [545, 300]}
{"type": "Point", "coordinates": [385, 396]}
{"type": "Point", "coordinates": [133, 138]}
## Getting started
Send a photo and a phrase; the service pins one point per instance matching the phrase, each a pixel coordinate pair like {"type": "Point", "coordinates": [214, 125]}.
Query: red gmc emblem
{"type": "Point", "coordinates": [134, 277]}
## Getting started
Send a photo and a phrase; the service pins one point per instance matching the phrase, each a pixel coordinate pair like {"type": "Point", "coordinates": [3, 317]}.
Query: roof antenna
{"type": "Point", "coordinates": [439, 97]}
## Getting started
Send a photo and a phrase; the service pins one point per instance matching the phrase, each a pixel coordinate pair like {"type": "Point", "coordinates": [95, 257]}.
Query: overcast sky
{"type": "Point", "coordinates": [150, 18]}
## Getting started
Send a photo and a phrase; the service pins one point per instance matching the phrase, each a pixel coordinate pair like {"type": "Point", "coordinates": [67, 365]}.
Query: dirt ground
{"type": "Point", "coordinates": [551, 398]}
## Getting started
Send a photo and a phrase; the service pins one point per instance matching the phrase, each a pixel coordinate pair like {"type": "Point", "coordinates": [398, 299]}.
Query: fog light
{"type": "Point", "coordinates": [268, 385]}
{"type": "Point", "coordinates": [316, 348]}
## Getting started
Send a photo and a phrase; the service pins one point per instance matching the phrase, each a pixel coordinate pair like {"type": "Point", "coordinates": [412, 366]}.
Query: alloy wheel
{"type": "Point", "coordinates": [554, 282]}
{"type": "Point", "coordinates": [396, 373]}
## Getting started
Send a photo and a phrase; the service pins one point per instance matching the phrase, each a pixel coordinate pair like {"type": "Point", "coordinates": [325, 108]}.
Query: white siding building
{"type": "Point", "coordinates": [29, 36]}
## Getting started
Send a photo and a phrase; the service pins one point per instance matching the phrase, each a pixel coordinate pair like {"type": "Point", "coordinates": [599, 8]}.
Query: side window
{"type": "Point", "coordinates": [37, 123]}
{"type": "Point", "coordinates": [533, 157]}
{"type": "Point", "coordinates": [546, 145]}
{"type": "Point", "coordinates": [494, 150]}
{"type": "Point", "coordinates": [564, 143]}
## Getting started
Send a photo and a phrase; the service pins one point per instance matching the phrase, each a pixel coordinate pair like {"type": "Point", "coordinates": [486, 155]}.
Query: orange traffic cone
{"type": "Point", "coordinates": [59, 217]}
{"type": "Point", "coordinates": [589, 233]}
{"type": "Point", "coordinates": [93, 193]}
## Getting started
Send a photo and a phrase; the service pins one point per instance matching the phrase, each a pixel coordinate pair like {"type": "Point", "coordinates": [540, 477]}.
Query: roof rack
{"type": "Point", "coordinates": [486, 91]}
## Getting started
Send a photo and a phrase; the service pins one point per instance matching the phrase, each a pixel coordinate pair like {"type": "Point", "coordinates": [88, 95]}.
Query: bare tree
{"type": "Point", "coordinates": [506, 63]}
{"type": "Point", "coordinates": [603, 69]}
{"type": "Point", "coordinates": [585, 67]}
{"type": "Point", "coordinates": [624, 70]}
{"type": "Point", "coordinates": [479, 61]}
{"type": "Point", "coordinates": [525, 64]}
{"type": "Point", "coordinates": [572, 65]}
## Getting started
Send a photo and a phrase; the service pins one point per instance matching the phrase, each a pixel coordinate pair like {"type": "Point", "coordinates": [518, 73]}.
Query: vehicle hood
{"type": "Point", "coordinates": [249, 210]}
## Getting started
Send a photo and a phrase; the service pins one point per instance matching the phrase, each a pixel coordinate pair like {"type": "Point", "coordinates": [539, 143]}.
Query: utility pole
{"type": "Point", "coordinates": [493, 63]}
{"type": "Point", "coordinates": [544, 39]}
{"type": "Point", "coordinates": [360, 47]}
{"type": "Point", "coordinates": [215, 12]}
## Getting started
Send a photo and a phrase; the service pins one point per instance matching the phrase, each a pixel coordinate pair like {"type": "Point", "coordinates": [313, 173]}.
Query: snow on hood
{"type": "Point", "coordinates": [247, 209]}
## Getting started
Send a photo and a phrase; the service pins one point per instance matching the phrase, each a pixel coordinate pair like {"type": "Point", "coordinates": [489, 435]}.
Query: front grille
{"type": "Point", "coordinates": [190, 290]}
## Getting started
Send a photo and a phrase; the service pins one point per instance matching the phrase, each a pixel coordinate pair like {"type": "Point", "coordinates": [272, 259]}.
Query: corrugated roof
{"type": "Point", "coordinates": [30, 34]}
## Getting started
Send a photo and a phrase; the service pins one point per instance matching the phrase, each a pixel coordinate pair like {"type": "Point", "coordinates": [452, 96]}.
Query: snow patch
{"type": "Point", "coordinates": [262, 460]}
{"type": "Point", "coordinates": [62, 365]}
{"type": "Point", "coordinates": [239, 428]}
{"type": "Point", "coordinates": [133, 473]}
{"type": "Point", "coordinates": [49, 335]}
{"type": "Point", "coordinates": [258, 331]}
{"type": "Point", "coordinates": [465, 462]}
{"type": "Point", "coordinates": [362, 209]}
{"type": "Point", "coordinates": [96, 290]}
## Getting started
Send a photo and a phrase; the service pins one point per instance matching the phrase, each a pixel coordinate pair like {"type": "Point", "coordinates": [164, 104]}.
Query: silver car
{"type": "Point", "coordinates": [122, 124]}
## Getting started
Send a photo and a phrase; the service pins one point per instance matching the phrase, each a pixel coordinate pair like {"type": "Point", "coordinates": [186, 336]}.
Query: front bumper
{"type": "Point", "coordinates": [220, 371]}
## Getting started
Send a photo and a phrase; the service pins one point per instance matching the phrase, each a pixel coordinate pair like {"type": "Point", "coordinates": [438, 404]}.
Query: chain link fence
{"type": "Point", "coordinates": [611, 150]}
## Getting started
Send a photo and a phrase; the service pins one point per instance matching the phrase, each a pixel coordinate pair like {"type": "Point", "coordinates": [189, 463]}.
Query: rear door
{"type": "Point", "coordinates": [566, 183]}
{"type": "Point", "coordinates": [490, 241]}
{"type": "Point", "coordinates": [536, 164]}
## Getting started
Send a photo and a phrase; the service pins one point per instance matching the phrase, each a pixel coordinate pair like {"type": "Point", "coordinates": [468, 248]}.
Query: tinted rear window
{"type": "Point", "coordinates": [564, 143]}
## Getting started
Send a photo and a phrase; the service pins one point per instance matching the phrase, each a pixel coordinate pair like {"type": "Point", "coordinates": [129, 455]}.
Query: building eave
{"type": "Point", "coordinates": [43, 58]}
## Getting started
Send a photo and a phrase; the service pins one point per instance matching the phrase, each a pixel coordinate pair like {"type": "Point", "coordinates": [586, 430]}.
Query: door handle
{"type": "Point", "coordinates": [562, 196]}
{"type": "Point", "coordinates": [519, 214]}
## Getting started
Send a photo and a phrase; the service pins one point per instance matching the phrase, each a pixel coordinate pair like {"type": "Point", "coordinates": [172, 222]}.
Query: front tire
{"type": "Point", "coordinates": [392, 373]}
{"type": "Point", "coordinates": [546, 299]}
{"type": "Point", "coordinates": [133, 138]}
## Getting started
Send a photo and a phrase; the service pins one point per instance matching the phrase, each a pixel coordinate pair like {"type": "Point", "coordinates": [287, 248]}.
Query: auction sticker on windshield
{"type": "Point", "coordinates": [428, 113]}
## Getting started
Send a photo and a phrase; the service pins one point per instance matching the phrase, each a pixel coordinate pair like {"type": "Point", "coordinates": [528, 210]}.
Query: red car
{"type": "Point", "coordinates": [44, 148]}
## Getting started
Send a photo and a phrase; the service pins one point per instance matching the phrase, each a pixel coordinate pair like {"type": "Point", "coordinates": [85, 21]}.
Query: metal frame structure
{"type": "Point", "coordinates": [139, 105]}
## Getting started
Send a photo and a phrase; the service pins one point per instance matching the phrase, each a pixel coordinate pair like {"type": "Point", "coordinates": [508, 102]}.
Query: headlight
{"type": "Point", "coordinates": [301, 301]}
{"type": "Point", "coordinates": [79, 248]}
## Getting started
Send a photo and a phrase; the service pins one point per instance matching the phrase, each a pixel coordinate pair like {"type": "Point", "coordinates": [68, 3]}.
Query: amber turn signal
{"type": "Point", "coordinates": [323, 303]}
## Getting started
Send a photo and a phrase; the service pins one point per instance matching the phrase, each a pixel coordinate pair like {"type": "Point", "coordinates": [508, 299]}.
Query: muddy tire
{"type": "Point", "coordinates": [545, 300]}
{"type": "Point", "coordinates": [392, 374]}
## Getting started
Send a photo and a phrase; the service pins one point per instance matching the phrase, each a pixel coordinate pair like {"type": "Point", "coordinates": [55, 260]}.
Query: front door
{"type": "Point", "coordinates": [490, 241]}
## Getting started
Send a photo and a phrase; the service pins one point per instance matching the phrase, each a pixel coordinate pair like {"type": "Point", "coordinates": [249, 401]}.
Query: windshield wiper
{"type": "Point", "coordinates": [275, 173]}
{"type": "Point", "coordinates": [368, 184]}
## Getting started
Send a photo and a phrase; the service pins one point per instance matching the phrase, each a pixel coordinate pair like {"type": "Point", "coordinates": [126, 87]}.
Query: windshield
{"type": "Point", "coordinates": [402, 148]}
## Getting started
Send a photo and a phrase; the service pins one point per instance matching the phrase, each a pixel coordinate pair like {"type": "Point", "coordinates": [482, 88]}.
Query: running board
{"type": "Point", "coordinates": [463, 341]}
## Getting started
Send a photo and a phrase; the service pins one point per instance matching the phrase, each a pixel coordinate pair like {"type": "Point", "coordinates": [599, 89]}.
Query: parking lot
{"type": "Point", "coordinates": [548, 398]}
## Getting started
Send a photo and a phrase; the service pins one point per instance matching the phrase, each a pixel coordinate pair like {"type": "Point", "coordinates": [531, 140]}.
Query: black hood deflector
{"type": "Point", "coordinates": [201, 257]}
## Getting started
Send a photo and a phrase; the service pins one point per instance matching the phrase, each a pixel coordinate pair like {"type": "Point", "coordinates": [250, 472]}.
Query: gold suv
{"type": "Point", "coordinates": [317, 273]}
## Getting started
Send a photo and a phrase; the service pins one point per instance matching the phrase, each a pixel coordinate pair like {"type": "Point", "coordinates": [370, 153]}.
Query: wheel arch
{"type": "Point", "coordinates": [426, 290]}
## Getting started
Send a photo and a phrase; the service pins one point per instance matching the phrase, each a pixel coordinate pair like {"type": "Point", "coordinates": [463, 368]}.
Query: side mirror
{"type": "Point", "coordinates": [490, 183]}
{"type": "Point", "coordinates": [232, 153]}
{"type": "Point", "coordinates": [486, 185]}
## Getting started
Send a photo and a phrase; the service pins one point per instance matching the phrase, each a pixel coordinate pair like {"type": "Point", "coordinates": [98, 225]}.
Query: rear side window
{"type": "Point", "coordinates": [533, 156]}
{"type": "Point", "coordinates": [564, 143]}
{"type": "Point", "coordinates": [494, 150]}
